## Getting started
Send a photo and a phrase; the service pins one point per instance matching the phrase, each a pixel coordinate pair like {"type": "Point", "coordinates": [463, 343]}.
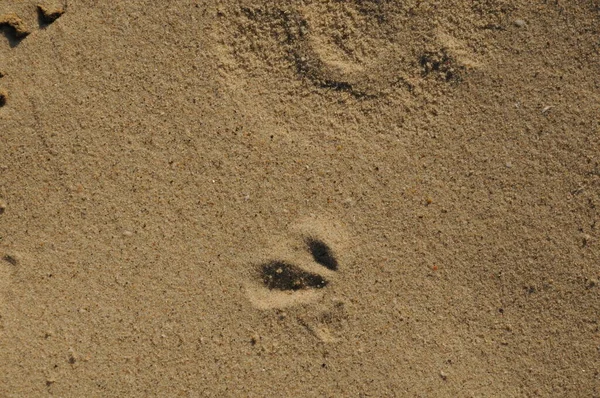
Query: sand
{"type": "Point", "coordinates": [312, 198]}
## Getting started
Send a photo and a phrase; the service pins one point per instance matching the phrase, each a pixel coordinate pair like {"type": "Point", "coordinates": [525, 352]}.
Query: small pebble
{"type": "Point", "coordinates": [520, 23]}
{"type": "Point", "coordinates": [2, 206]}
{"type": "Point", "coordinates": [443, 375]}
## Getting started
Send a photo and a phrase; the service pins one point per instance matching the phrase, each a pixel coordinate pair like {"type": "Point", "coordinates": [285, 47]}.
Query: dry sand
{"type": "Point", "coordinates": [311, 198]}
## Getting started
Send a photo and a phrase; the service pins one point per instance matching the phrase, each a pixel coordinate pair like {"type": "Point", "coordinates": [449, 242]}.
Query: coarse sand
{"type": "Point", "coordinates": [358, 198]}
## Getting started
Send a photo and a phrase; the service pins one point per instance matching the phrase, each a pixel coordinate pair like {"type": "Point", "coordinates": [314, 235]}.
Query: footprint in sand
{"type": "Point", "coordinates": [302, 269]}
{"type": "Point", "coordinates": [349, 47]}
{"type": "Point", "coordinates": [15, 29]}
{"type": "Point", "coordinates": [297, 268]}
{"type": "Point", "coordinates": [367, 49]}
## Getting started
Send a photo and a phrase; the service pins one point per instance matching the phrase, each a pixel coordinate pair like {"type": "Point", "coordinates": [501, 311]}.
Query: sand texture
{"type": "Point", "coordinates": [326, 198]}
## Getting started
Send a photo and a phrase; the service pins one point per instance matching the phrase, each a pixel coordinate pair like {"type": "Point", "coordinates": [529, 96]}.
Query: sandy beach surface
{"type": "Point", "coordinates": [328, 198]}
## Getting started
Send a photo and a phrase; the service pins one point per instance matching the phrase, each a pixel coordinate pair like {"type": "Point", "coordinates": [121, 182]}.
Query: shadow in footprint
{"type": "Point", "coordinates": [322, 254]}
{"type": "Point", "coordinates": [13, 28]}
{"type": "Point", "coordinates": [301, 268]}
{"type": "Point", "coordinates": [47, 16]}
{"type": "Point", "coordinates": [283, 276]}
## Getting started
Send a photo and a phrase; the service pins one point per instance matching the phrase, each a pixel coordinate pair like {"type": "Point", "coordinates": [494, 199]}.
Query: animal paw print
{"type": "Point", "coordinates": [15, 29]}
{"type": "Point", "coordinates": [300, 276]}
{"type": "Point", "coordinates": [298, 269]}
